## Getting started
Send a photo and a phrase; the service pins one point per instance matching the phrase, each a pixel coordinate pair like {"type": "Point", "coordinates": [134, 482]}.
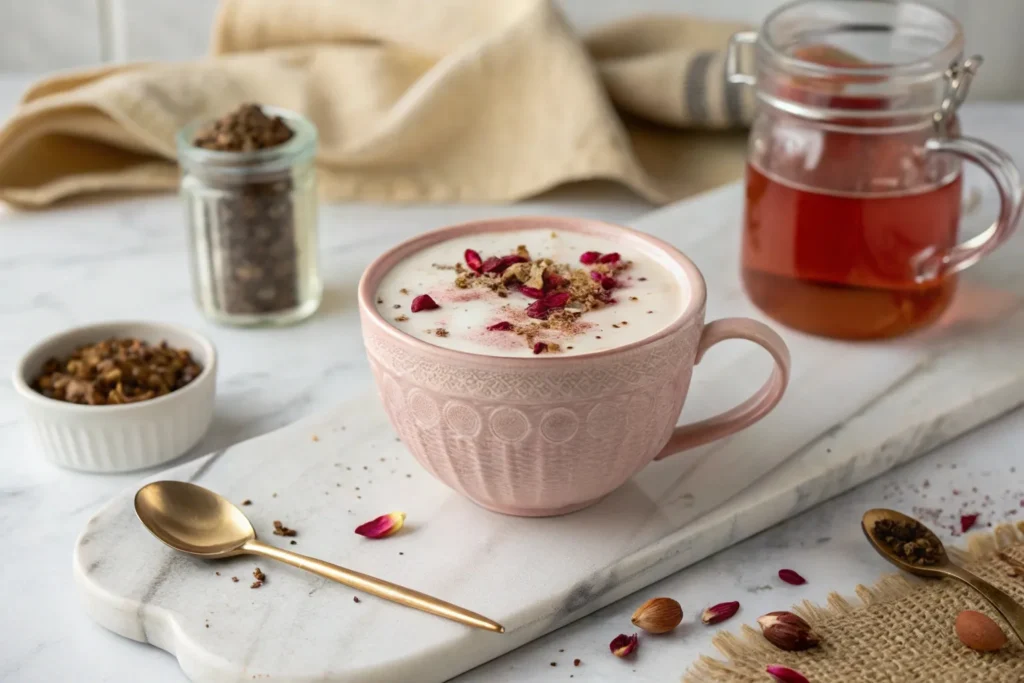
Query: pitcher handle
{"type": "Point", "coordinates": [935, 263]}
{"type": "Point", "coordinates": [751, 410]}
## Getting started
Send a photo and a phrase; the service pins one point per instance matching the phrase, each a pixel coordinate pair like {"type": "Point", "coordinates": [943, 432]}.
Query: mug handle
{"type": "Point", "coordinates": [934, 263]}
{"type": "Point", "coordinates": [751, 410]}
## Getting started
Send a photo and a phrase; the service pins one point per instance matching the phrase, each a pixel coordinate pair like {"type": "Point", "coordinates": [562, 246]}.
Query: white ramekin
{"type": "Point", "coordinates": [122, 437]}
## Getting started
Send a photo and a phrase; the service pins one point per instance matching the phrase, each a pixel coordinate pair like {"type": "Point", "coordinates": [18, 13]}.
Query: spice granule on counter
{"type": "Point", "coordinates": [234, 579]}
{"type": "Point", "coordinates": [282, 530]}
{"type": "Point", "coordinates": [246, 502]}
{"type": "Point", "coordinates": [259, 576]}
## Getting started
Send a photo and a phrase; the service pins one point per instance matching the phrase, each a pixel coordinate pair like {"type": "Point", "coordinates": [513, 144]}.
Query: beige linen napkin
{"type": "Point", "coordinates": [441, 101]}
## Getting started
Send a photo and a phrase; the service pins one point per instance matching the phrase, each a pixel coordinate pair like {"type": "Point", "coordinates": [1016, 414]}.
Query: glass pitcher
{"type": "Point", "coordinates": [853, 185]}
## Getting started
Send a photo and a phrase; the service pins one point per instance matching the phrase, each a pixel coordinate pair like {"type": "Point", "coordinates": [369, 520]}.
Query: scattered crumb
{"type": "Point", "coordinates": [403, 290]}
{"type": "Point", "coordinates": [642, 279]}
{"type": "Point", "coordinates": [401, 318]}
{"type": "Point", "coordinates": [441, 332]}
{"type": "Point", "coordinates": [273, 495]}
{"type": "Point", "coordinates": [379, 300]}
{"type": "Point", "coordinates": [554, 663]}
{"type": "Point", "coordinates": [217, 573]}
{"type": "Point", "coordinates": [246, 502]}
{"type": "Point", "coordinates": [576, 662]}
{"type": "Point", "coordinates": [355, 598]}
{"type": "Point", "coordinates": [234, 579]}
{"type": "Point", "coordinates": [293, 542]}
{"type": "Point", "coordinates": [207, 626]}
{"type": "Point", "coordinates": [401, 553]}
{"type": "Point", "coordinates": [259, 576]}
{"type": "Point", "coordinates": [561, 650]}
{"type": "Point", "coordinates": [282, 530]}
{"type": "Point", "coordinates": [316, 438]}
{"type": "Point", "coordinates": [397, 306]}
{"type": "Point", "coordinates": [615, 326]}
{"type": "Point", "coordinates": [633, 298]}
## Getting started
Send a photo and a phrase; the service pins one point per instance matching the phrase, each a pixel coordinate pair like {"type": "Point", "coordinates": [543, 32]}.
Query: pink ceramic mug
{"type": "Point", "coordinates": [547, 435]}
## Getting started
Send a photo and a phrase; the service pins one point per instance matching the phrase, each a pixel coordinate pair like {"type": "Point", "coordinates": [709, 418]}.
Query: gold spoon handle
{"type": "Point", "coordinates": [1012, 612]}
{"type": "Point", "coordinates": [378, 587]}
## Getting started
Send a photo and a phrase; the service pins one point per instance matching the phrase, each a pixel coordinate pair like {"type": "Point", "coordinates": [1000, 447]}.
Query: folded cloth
{"type": "Point", "coordinates": [441, 101]}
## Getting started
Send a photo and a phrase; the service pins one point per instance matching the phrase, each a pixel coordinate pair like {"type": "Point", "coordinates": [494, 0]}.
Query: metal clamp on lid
{"type": "Point", "coordinates": [958, 76]}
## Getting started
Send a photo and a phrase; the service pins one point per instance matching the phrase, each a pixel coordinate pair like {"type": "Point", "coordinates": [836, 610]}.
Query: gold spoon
{"type": "Point", "coordinates": [943, 568]}
{"type": "Point", "coordinates": [199, 522]}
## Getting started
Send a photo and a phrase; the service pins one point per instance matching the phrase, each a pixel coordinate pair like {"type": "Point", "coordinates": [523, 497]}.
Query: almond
{"type": "Point", "coordinates": [978, 632]}
{"type": "Point", "coordinates": [658, 615]}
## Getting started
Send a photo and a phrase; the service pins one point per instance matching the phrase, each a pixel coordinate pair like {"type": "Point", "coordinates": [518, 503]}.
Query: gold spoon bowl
{"type": "Point", "coordinates": [942, 567]}
{"type": "Point", "coordinates": [197, 521]}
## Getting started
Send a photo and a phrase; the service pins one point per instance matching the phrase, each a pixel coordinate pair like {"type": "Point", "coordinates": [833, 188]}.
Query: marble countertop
{"type": "Point", "coordinates": [126, 258]}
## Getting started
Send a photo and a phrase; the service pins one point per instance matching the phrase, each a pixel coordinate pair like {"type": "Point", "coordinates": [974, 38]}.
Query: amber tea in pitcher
{"type": "Point", "coordinates": [853, 183]}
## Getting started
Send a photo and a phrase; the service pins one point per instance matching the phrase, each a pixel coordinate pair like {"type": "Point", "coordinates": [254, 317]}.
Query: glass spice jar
{"type": "Point", "coordinates": [251, 209]}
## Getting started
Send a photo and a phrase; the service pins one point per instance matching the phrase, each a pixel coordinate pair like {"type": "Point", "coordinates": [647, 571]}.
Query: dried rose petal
{"type": "Point", "coordinates": [623, 645]}
{"type": "Point", "coordinates": [383, 526]}
{"type": "Point", "coordinates": [423, 303]}
{"type": "Point", "coordinates": [538, 310]}
{"type": "Point", "coordinates": [532, 292]}
{"type": "Point", "coordinates": [503, 326]}
{"type": "Point", "coordinates": [719, 613]}
{"type": "Point", "coordinates": [589, 257]}
{"type": "Point", "coordinates": [499, 265]}
{"type": "Point", "coordinates": [557, 299]}
{"type": "Point", "coordinates": [474, 261]}
{"type": "Point", "coordinates": [607, 281]}
{"type": "Point", "coordinates": [610, 258]}
{"type": "Point", "coordinates": [967, 521]}
{"type": "Point", "coordinates": [554, 280]}
{"type": "Point", "coordinates": [785, 674]}
{"type": "Point", "coordinates": [539, 347]}
{"type": "Point", "coordinates": [791, 577]}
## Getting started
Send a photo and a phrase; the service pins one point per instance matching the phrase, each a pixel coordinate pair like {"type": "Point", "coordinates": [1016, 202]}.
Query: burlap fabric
{"type": "Point", "coordinates": [900, 631]}
{"type": "Point", "coordinates": [440, 101]}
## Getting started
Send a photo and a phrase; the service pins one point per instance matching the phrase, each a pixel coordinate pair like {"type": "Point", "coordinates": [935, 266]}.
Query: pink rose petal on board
{"type": "Point", "coordinates": [791, 577]}
{"type": "Point", "coordinates": [719, 613]}
{"type": "Point", "coordinates": [503, 326]}
{"type": "Point", "coordinates": [967, 521]}
{"type": "Point", "coordinates": [610, 258]}
{"type": "Point", "coordinates": [623, 645]}
{"type": "Point", "coordinates": [383, 526]}
{"type": "Point", "coordinates": [589, 257]}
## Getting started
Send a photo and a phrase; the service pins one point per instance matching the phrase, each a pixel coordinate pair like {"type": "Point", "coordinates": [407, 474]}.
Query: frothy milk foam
{"type": "Point", "coordinates": [649, 297]}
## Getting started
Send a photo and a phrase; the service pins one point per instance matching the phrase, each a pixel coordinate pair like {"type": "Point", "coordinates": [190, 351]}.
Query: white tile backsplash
{"type": "Point", "coordinates": [42, 35]}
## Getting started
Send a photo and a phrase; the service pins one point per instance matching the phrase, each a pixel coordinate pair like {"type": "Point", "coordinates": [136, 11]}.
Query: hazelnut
{"type": "Point", "coordinates": [978, 632]}
{"type": "Point", "coordinates": [658, 615]}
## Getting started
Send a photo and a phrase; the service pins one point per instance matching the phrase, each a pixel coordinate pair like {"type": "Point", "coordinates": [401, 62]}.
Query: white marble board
{"type": "Point", "coordinates": [853, 411]}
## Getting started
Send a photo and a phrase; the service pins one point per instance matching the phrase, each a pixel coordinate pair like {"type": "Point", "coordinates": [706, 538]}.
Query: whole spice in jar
{"type": "Point", "coordinates": [249, 188]}
{"type": "Point", "coordinates": [910, 540]}
{"type": "Point", "coordinates": [117, 371]}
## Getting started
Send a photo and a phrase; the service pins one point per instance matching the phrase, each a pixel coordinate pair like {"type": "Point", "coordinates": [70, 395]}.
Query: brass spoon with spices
{"type": "Point", "coordinates": [199, 522]}
{"type": "Point", "coordinates": [912, 547]}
